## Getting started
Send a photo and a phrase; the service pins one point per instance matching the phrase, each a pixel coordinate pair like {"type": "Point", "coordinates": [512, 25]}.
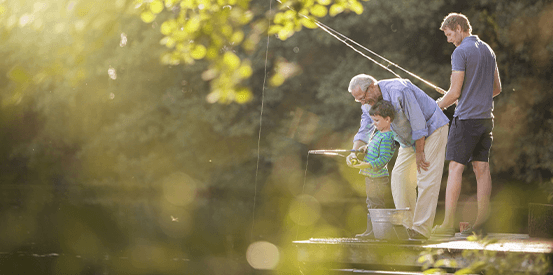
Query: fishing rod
{"type": "Point", "coordinates": [337, 152]}
{"type": "Point", "coordinates": [359, 154]}
{"type": "Point", "coordinates": [345, 40]}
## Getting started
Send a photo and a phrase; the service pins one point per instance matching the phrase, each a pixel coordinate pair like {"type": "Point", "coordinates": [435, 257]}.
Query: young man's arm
{"type": "Point", "coordinates": [454, 92]}
{"type": "Point", "coordinates": [496, 83]}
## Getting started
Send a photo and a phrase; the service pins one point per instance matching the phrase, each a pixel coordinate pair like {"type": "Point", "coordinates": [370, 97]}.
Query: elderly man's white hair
{"type": "Point", "coordinates": [362, 81]}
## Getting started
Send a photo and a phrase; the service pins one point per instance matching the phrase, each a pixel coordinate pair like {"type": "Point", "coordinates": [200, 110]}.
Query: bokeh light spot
{"type": "Point", "coordinates": [112, 73]}
{"type": "Point", "coordinates": [263, 255]}
{"type": "Point", "coordinates": [123, 40]}
{"type": "Point", "coordinates": [305, 210]}
{"type": "Point", "coordinates": [24, 20]}
{"type": "Point", "coordinates": [179, 189]}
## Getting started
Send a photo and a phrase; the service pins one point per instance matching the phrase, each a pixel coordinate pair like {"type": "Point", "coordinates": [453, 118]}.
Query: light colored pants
{"type": "Point", "coordinates": [405, 181]}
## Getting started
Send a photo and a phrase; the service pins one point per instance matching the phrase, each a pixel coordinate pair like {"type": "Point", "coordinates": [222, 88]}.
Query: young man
{"type": "Point", "coordinates": [420, 127]}
{"type": "Point", "coordinates": [374, 166]}
{"type": "Point", "coordinates": [474, 83]}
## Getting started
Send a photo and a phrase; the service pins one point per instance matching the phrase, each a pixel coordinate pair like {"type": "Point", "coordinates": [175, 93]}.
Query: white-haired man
{"type": "Point", "coordinates": [421, 129]}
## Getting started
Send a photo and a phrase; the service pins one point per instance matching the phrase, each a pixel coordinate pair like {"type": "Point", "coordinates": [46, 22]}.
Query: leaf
{"type": "Point", "coordinates": [169, 42]}
{"type": "Point", "coordinates": [276, 80]}
{"type": "Point", "coordinates": [446, 263]}
{"type": "Point", "coordinates": [243, 95]}
{"type": "Point", "coordinates": [192, 25]}
{"type": "Point", "coordinates": [168, 27]}
{"type": "Point", "coordinates": [335, 9]}
{"type": "Point", "coordinates": [246, 17]}
{"type": "Point", "coordinates": [357, 7]}
{"type": "Point", "coordinates": [226, 30]}
{"type": "Point", "coordinates": [212, 53]}
{"type": "Point", "coordinates": [274, 29]}
{"type": "Point", "coordinates": [156, 6]}
{"type": "Point", "coordinates": [198, 52]}
{"type": "Point", "coordinates": [319, 11]}
{"type": "Point", "coordinates": [237, 37]}
{"type": "Point", "coordinates": [423, 258]}
{"type": "Point", "coordinates": [231, 60]}
{"type": "Point", "coordinates": [245, 71]}
{"type": "Point", "coordinates": [434, 271]}
{"type": "Point", "coordinates": [170, 3]}
{"type": "Point", "coordinates": [284, 33]}
{"type": "Point", "coordinates": [472, 238]}
{"type": "Point", "coordinates": [279, 18]}
{"type": "Point", "coordinates": [308, 23]}
{"type": "Point", "coordinates": [464, 271]}
{"type": "Point", "coordinates": [147, 16]}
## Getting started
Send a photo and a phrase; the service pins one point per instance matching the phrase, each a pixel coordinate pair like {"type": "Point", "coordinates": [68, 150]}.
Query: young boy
{"type": "Point", "coordinates": [380, 149]}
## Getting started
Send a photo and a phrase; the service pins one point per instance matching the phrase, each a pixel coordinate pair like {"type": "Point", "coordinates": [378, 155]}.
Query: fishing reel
{"type": "Point", "coordinates": [359, 157]}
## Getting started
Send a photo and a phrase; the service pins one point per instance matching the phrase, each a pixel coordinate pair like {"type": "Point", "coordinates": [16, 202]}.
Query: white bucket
{"type": "Point", "coordinates": [386, 221]}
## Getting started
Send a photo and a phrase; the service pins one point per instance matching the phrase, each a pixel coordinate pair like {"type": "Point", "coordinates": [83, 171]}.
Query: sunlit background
{"type": "Point", "coordinates": [171, 137]}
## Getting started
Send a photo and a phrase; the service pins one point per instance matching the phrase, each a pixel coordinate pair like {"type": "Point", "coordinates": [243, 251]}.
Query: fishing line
{"type": "Point", "coordinates": [329, 30]}
{"type": "Point", "coordinates": [353, 48]}
{"type": "Point", "coordinates": [345, 40]}
{"type": "Point", "coordinates": [260, 124]}
{"type": "Point", "coordinates": [303, 200]}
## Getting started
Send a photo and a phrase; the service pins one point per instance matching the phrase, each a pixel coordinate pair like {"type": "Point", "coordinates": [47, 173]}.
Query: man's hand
{"type": "Point", "coordinates": [439, 101]}
{"type": "Point", "coordinates": [421, 161]}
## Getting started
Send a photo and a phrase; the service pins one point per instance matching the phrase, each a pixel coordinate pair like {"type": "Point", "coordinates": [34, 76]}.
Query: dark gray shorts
{"type": "Point", "coordinates": [469, 140]}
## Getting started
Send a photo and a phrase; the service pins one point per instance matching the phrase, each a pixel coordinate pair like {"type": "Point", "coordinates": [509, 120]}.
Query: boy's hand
{"type": "Point", "coordinates": [363, 149]}
{"type": "Point", "coordinates": [363, 165]}
{"type": "Point", "coordinates": [351, 156]}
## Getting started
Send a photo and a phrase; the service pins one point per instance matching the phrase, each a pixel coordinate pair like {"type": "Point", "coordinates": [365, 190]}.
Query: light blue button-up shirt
{"type": "Point", "coordinates": [417, 115]}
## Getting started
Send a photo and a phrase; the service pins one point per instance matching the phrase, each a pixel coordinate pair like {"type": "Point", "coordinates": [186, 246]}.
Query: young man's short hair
{"type": "Point", "coordinates": [384, 109]}
{"type": "Point", "coordinates": [452, 20]}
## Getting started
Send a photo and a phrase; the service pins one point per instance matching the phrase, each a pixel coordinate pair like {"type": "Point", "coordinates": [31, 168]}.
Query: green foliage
{"type": "Point", "coordinates": [223, 33]}
{"type": "Point", "coordinates": [484, 261]}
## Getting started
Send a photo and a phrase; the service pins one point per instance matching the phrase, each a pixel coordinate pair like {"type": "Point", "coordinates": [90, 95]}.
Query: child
{"type": "Point", "coordinates": [380, 149]}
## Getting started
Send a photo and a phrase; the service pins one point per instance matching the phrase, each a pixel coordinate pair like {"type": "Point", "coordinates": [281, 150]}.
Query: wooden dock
{"type": "Point", "coordinates": [351, 255]}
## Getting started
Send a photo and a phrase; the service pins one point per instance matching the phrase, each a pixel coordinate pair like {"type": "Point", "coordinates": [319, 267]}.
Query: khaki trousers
{"type": "Point", "coordinates": [406, 179]}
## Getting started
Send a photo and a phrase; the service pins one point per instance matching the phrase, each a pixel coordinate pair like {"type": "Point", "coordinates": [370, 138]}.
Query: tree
{"type": "Point", "coordinates": [225, 32]}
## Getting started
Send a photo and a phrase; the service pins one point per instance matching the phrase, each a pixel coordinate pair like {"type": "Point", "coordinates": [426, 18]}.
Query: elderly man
{"type": "Point", "coordinates": [421, 129]}
{"type": "Point", "coordinates": [474, 83]}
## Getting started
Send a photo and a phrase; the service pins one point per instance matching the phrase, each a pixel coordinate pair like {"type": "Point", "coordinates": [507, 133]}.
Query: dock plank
{"type": "Point", "coordinates": [404, 255]}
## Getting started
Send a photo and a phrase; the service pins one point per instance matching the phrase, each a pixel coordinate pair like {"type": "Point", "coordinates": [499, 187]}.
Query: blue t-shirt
{"type": "Point", "coordinates": [474, 57]}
